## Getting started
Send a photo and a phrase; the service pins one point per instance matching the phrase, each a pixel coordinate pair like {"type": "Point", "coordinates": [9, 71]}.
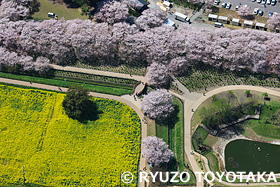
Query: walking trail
{"type": "Point", "coordinates": [126, 100]}
{"type": "Point", "coordinates": [191, 102]}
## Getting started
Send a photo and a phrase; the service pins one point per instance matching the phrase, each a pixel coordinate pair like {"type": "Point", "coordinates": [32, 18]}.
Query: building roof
{"type": "Point", "coordinates": [212, 16]}
{"type": "Point", "coordinates": [248, 22]}
{"type": "Point", "coordinates": [170, 22]}
{"type": "Point", "coordinates": [223, 18]}
{"type": "Point", "coordinates": [260, 25]}
{"type": "Point", "coordinates": [166, 3]}
{"type": "Point", "coordinates": [235, 20]}
{"type": "Point", "coordinates": [180, 15]}
{"type": "Point", "coordinates": [138, 4]}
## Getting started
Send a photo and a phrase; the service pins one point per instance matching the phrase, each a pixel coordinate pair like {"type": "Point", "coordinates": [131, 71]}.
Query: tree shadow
{"type": "Point", "coordinates": [91, 113]}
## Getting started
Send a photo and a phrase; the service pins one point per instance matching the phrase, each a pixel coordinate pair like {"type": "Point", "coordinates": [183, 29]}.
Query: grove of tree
{"type": "Point", "coordinates": [121, 39]}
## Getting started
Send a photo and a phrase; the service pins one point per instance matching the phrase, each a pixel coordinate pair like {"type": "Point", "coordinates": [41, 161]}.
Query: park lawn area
{"type": "Point", "coordinates": [59, 9]}
{"type": "Point", "coordinates": [265, 127]}
{"type": "Point", "coordinates": [107, 88]}
{"type": "Point", "coordinates": [58, 151]}
{"type": "Point", "coordinates": [172, 132]}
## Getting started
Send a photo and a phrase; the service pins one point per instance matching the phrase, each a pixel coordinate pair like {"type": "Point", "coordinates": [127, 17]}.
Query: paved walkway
{"type": "Point", "coordinates": [99, 72]}
{"type": "Point", "coordinates": [193, 105]}
{"type": "Point", "coordinates": [124, 100]}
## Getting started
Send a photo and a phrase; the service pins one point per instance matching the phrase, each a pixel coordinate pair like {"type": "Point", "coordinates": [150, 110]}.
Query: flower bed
{"type": "Point", "coordinates": [58, 151]}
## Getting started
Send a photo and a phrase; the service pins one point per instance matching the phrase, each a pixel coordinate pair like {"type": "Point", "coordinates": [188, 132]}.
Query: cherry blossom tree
{"type": "Point", "coordinates": [178, 65]}
{"type": "Point", "coordinates": [14, 10]}
{"type": "Point", "coordinates": [158, 74]}
{"type": "Point", "coordinates": [151, 18]}
{"type": "Point", "coordinates": [12, 59]}
{"type": "Point", "coordinates": [156, 151]}
{"type": "Point", "coordinates": [244, 11]}
{"type": "Point", "coordinates": [157, 104]}
{"type": "Point", "coordinates": [112, 12]}
{"type": "Point", "coordinates": [274, 21]}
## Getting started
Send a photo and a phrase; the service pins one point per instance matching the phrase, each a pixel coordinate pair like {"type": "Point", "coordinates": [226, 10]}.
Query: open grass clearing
{"type": "Point", "coordinates": [60, 10]}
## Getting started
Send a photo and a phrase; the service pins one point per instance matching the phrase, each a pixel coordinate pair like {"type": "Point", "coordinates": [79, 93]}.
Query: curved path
{"type": "Point", "coordinates": [193, 105]}
{"type": "Point", "coordinates": [142, 162]}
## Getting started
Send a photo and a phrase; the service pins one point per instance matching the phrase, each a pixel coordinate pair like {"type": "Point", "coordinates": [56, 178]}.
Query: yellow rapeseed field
{"type": "Point", "coordinates": [58, 151]}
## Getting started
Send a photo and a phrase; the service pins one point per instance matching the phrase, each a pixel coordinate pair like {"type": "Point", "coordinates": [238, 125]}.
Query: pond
{"type": "Point", "coordinates": [246, 155]}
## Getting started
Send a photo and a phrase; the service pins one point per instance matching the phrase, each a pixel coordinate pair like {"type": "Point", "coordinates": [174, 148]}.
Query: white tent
{"type": "Point", "coordinates": [235, 21]}
{"type": "Point", "coordinates": [248, 24]}
{"type": "Point", "coordinates": [212, 17]}
{"type": "Point", "coordinates": [223, 19]}
{"type": "Point", "coordinates": [260, 25]}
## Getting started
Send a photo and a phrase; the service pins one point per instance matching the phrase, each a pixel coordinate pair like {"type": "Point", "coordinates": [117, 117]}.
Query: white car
{"type": "Point", "coordinates": [256, 11]}
{"type": "Point", "coordinates": [263, 2]}
{"type": "Point", "coordinates": [237, 7]}
{"type": "Point", "coordinates": [259, 1]}
{"type": "Point", "coordinates": [268, 2]}
{"type": "Point", "coordinates": [273, 2]}
{"type": "Point", "coordinates": [217, 2]}
{"type": "Point", "coordinates": [228, 6]}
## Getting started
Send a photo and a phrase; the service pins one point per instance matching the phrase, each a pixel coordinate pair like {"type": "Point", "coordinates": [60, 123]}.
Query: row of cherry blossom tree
{"type": "Point", "coordinates": [120, 38]}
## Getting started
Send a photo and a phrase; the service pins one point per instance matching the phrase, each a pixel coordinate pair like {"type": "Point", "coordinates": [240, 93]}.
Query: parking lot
{"type": "Point", "coordinates": [266, 8]}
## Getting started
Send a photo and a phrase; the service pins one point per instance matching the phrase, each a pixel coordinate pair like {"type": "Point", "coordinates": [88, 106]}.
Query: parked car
{"type": "Point", "coordinates": [217, 2]}
{"type": "Point", "coordinates": [256, 11]}
{"type": "Point", "coordinates": [268, 2]}
{"type": "Point", "coordinates": [273, 2]}
{"type": "Point", "coordinates": [263, 2]}
{"type": "Point", "coordinates": [228, 6]}
{"type": "Point", "coordinates": [52, 15]}
{"type": "Point", "coordinates": [224, 5]}
{"type": "Point", "coordinates": [219, 25]}
{"type": "Point", "coordinates": [270, 14]}
{"type": "Point", "coordinates": [253, 0]}
{"type": "Point", "coordinates": [260, 12]}
{"type": "Point", "coordinates": [237, 7]}
{"type": "Point", "coordinates": [259, 1]}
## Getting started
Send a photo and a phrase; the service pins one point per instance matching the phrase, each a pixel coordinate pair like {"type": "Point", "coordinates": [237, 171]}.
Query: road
{"type": "Point", "coordinates": [253, 5]}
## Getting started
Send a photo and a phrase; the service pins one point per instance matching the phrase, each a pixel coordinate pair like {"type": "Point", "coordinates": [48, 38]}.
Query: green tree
{"type": "Point", "coordinates": [76, 102]}
{"type": "Point", "coordinates": [248, 93]}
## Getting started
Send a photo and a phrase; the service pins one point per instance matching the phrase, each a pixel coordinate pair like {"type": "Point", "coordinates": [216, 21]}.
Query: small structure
{"type": "Point", "coordinates": [235, 21]}
{"type": "Point", "coordinates": [139, 5]}
{"type": "Point", "coordinates": [170, 23]}
{"type": "Point", "coordinates": [260, 26]}
{"type": "Point", "coordinates": [222, 19]}
{"type": "Point", "coordinates": [248, 24]}
{"type": "Point", "coordinates": [167, 4]}
{"type": "Point", "coordinates": [213, 17]}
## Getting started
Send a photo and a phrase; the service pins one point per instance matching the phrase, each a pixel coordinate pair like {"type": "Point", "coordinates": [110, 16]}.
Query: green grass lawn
{"type": "Point", "coordinates": [58, 151]}
{"type": "Point", "coordinates": [265, 127]}
{"type": "Point", "coordinates": [91, 86]}
{"type": "Point", "coordinates": [172, 132]}
{"type": "Point", "coordinates": [59, 9]}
